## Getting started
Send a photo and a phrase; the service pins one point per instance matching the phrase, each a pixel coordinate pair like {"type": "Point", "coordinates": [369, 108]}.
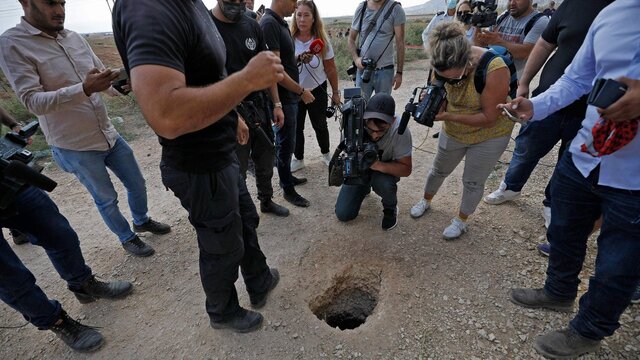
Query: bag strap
{"type": "Point", "coordinates": [481, 70]}
{"type": "Point", "coordinates": [393, 34]}
{"type": "Point", "coordinates": [374, 21]}
{"type": "Point", "coordinates": [531, 22]}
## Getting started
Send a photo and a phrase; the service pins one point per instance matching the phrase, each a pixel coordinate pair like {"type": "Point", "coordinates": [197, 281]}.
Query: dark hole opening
{"type": "Point", "coordinates": [349, 309]}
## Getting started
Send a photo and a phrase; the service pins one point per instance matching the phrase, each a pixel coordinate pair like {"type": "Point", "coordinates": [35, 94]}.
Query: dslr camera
{"type": "Point", "coordinates": [483, 14]}
{"type": "Point", "coordinates": [369, 65]}
{"type": "Point", "coordinates": [424, 112]}
{"type": "Point", "coordinates": [356, 153]}
{"type": "Point", "coordinates": [17, 166]}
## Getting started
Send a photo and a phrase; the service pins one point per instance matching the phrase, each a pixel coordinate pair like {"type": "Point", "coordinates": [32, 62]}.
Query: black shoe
{"type": "Point", "coordinates": [270, 207]}
{"type": "Point", "coordinates": [137, 247]}
{"type": "Point", "coordinates": [293, 197]}
{"type": "Point", "coordinates": [246, 321]}
{"type": "Point", "coordinates": [538, 298]}
{"type": "Point", "coordinates": [389, 219]}
{"type": "Point", "coordinates": [77, 336]}
{"type": "Point", "coordinates": [564, 344]}
{"type": "Point", "coordinates": [258, 301]}
{"type": "Point", "coordinates": [94, 289]}
{"type": "Point", "coordinates": [19, 238]}
{"type": "Point", "coordinates": [153, 227]}
{"type": "Point", "coordinates": [298, 181]}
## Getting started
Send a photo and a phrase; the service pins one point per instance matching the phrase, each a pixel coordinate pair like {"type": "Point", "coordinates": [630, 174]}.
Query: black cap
{"type": "Point", "coordinates": [381, 106]}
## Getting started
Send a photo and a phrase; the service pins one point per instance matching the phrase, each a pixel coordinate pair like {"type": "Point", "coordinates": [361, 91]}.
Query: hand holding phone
{"type": "Point", "coordinates": [512, 117]}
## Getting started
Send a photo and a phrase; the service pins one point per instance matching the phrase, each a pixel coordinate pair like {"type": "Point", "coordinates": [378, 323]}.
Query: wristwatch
{"type": "Point", "coordinates": [277, 105]}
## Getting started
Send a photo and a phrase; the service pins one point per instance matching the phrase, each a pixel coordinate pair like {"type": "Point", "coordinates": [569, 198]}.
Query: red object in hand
{"type": "Point", "coordinates": [609, 136]}
{"type": "Point", "coordinates": [316, 46]}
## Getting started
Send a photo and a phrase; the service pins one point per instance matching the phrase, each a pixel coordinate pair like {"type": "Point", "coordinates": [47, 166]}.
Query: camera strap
{"type": "Point", "coordinates": [373, 23]}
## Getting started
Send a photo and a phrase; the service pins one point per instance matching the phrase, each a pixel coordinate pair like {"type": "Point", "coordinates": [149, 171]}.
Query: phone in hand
{"type": "Point", "coordinates": [260, 10]}
{"type": "Point", "coordinates": [121, 81]}
{"type": "Point", "coordinates": [605, 92]}
{"type": "Point", "coordinates": [511, 116]}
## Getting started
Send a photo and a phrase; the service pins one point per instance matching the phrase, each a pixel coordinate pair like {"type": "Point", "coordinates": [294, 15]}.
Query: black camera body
{"type": "Point", "coordinates": [484, 16]}
{"type": "Point", "coordinates": [424, 112]}
{"type": "Point", "coordinates": [356, 153]}
{"type": "Point", "coordinates": [17, 167]}
{"type": "Point", "coordinates": [369, 66]}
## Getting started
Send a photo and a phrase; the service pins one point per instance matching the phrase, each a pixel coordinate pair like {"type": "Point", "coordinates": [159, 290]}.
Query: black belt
{"type": "Point", "coordinates": [385, 67]}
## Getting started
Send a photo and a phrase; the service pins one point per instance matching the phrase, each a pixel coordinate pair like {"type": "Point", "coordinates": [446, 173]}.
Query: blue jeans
{"type": "Point", "coordinates": [576, 203]}
{"type": "Point", "coordinates": [90, 167]}
{"type": "Point", "coordinates": [381, 81]}
{"type": "Point", "coordinates": [534, 141]}
{"type": "Point", "coordinates": [351, 196]}
{"type": "Point", "coordinates": [40, 218]}
{"type": "Point", "coordinates": [285, 144]}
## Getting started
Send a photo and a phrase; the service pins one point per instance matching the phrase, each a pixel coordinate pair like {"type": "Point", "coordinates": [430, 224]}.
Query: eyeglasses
{"type": "Point", "coordinates": [375, 131]}
{"type": "Point", "coordinates": [453, 81]}
{"type": "Point", "coordinates": [464, 12]}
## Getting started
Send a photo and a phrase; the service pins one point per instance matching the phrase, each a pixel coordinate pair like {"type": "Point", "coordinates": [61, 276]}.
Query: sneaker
{"type": "Point", "coordinates": [259, 300]}
{"type": "Point", "coordinates": [296, 164]}
{"type": "Point", "coordinates": [77, 336]}
{"type": "Point", "coordinates": [270, 207]}
{"type": "Point", "coordinates": [94, 289]}
{"type": "Point", "coordinates": [246, 321]}
{"type": "Point", "coordinates": [564, 344]}
{"type": "Point", "coordinates": [501, 195]}
{"type": "Point", "coordinates": [544, 249]}
{"type": "Point", "coordinates": [298, 181]}
{"type": "Point", "coordinates": [19, 238]}
{"type": "Point", "coordinates": [538, 299]}
{"type": "Point", "coordinates": [153, 227]}
{"type": "Point", "coordinates": [326, 157]}
{"type": "Point", "coordinates": [546, 215]}
{"type": "Point", "coordinates": [296, 199]}
{"type": "Point", "coordinates": [635, 299]}
{"type": "Point", "coordinates": [389, 218]}
{"type": "Point", "coordinates": [419, 209]}
{"type": "Point", "coordinates": [453, 231]}
{"type": "Point", "coordinates": [137, 247]}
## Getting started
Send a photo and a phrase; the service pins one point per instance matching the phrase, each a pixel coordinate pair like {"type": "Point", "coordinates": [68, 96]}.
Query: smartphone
{"type": "Point", "coordinates": [122, 75]}
{"type": "Point", "coordinates": [260, 10]}
{"type": "Point", "coordinates": [121, 81]}
{"type": "Point", "coordinates": [605, 92]}
{"type": "Point", "coordinates": [511, 116]}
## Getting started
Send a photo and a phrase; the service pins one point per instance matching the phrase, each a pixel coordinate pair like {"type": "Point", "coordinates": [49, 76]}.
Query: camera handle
{"type": "Point", "coordinates": [408, 110]}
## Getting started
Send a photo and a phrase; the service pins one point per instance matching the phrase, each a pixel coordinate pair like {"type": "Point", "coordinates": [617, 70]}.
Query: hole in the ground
{"type": "Point", "coordinates": [351, 298]}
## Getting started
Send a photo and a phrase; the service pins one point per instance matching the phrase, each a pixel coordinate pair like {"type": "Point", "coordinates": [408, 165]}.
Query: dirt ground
{"type": "Point", "coordinates": [430, 299]}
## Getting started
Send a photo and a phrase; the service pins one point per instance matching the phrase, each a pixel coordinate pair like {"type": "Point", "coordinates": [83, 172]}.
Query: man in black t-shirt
{"type": "Point", "coordinates": [176, 61]}
{"type": "Point", "coordinates": [279, 40]}
{"type": "Point", "coordinates": [565, 34]}
{"type": "Point", "coordinates": [243, 39]}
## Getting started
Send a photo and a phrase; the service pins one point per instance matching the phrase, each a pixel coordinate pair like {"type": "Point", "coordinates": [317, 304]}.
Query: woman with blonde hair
{"type": "Point", "coordinates": [314, 71]}
{"type": "Point", "coordinates": [473, 127]}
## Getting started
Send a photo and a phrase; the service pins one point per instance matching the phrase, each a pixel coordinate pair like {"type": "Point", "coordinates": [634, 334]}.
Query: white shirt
{"type": "Point", "coordinates": [312, 74]}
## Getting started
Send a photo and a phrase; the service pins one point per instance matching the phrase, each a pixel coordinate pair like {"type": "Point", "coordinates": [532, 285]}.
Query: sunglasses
{"type": "Point", "coordinates": [464, 12]}
{"type": "Point", "coordinates": [453, 81]}
{"type": "Point", "coordinates": [375, 131]}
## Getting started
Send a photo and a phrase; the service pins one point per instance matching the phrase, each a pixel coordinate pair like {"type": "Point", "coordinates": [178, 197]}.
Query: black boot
{"type": "Point", "coordinates": [246, 321]}
{"type": "Point", "coordinates": [296, 199]}
{"type": "Point", "coordinates": [93, 289]}
{"type": "Point", "coordinates": [268, 206]}
{"type": "Point", "coordinates": [77, 336]}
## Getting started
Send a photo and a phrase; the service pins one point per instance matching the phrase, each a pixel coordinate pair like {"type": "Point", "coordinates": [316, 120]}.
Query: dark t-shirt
{"type": "Point", "coordinates": [278, 38]}
{"type": "Point", "coordinates": [179, 34]}
{"type": "Point", "coordinates": [568, 30]}
{"type": "Point", "coordinates": [243, 41]}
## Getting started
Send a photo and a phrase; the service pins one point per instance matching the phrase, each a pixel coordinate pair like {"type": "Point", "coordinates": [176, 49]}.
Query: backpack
{"type": "Point", "coordinates": [527, 27]}
{"type": "Point", "coordinates": [481, 70]}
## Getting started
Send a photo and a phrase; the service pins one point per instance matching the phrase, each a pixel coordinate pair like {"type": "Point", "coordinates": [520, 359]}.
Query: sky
{"type": "Point", "coordinates": [86, 16]}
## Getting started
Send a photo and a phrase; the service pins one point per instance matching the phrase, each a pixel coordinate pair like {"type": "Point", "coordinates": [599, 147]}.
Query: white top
{"type": "Point", "coordinates": [312, 74]}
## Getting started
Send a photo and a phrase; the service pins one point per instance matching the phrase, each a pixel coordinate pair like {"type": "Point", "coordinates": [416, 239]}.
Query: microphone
{"type": "Point", "coordinates": [404, 121]}
{"type": "Point", "coordinates": [23, 173]}
{"type": "Point", "coordinates": [316, 46]}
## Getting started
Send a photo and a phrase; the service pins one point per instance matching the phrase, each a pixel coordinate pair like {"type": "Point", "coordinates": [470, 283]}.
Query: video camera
{"type": "Point", "coordinates": [17, 167]}
{"type": "Point", "coordinates": [426, 110]}
{"type": "Point", "coordinates": [485, 14]}
{"type": "Point", "coordinates": [356, 153]}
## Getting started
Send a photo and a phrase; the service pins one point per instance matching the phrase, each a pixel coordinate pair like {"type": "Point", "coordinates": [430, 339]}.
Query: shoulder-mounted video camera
{"type": "Point", "coordinates": [356, 152]}
{"type": "Point", "coordinates": [483, 14]}
{"type": "Point", "coordinates": [424, 112]}
{"type": "Point", "coordinates": [17, 167]}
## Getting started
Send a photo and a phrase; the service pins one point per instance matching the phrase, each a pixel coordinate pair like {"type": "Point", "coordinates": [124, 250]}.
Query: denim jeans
{"type": "Point", "coordinates": [351, 196]}
{"type": "Point", "coordinates": [534, 141]}
{"type": "Point", "coordinates": [225, 219]}
{"type": "Point", "coordinates": [40, 218]}
{"type": "Point", "coordinates": [381, 81]}
{"type": "Point", "coordinates": [285, 144]}
{"type": "Point", "coordinates": [90, 167]}
{"type": "Point", "coordinates": [576, 203]}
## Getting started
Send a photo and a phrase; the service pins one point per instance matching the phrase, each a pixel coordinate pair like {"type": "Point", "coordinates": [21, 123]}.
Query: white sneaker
{"type": "Point", "coordinates": [419, 209]}
{"type": "Point", "coordinates": [501, 195]}
{"type": "Point", "coordinates": [327, 158]}
{"type": "Point", "coordinates": [453, 231]}
{"type": "Point", "coordinates": [546, 215]}
{"type": "Point", "coordinates": [296, 164]}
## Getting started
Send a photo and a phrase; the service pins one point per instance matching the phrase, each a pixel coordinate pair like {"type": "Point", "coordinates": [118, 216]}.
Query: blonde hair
{"type": "Point", "coordinates": [448, 46]}
{"type": "Point", "coordinates": [317, 28]}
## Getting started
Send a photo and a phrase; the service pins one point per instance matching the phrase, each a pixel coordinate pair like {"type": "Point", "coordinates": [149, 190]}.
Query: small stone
{"type": "Point", "coordinates": [295, 336]}
{"type": "Point", "coordinates": [523, 337]}
{"type": "Point", "coordinates": [502, 252]}
{"type": "Point", "coordinates": [491, 337]}
{"type": "Point", "coordinates": [339, 347]}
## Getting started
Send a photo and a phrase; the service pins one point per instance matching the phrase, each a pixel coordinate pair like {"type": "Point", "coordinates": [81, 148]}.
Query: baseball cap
{"type": "Point", "coordinates": [381, 106]}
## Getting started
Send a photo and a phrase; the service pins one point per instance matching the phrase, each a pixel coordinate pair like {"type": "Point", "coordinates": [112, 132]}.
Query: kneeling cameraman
{"type": "Point", "coordinates": [394, 162]}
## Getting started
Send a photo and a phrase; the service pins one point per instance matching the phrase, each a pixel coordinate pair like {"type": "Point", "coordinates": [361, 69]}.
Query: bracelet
{"type": "Point", "coordinates": [301, 92]}
{"type": "Point", "coordinates": [277, 105]}
{"type": "Point", "coordinates": [399, 72]}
